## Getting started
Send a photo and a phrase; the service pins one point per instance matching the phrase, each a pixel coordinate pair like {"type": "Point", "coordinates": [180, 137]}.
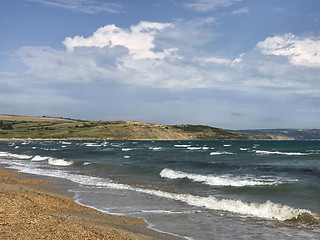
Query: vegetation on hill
{"type": "Point", "coordinates": [281, 134]}
{"type": "Point", "coordinates": [61, 128]}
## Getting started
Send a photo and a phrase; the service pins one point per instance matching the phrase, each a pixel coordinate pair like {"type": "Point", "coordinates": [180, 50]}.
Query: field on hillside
{"type": "Point", "coordinates": [21, 127]}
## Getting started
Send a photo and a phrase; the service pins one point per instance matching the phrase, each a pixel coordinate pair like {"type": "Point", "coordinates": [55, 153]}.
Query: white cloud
{"type": "Point", "coordinates": [139, 39]}
{"type": "Point", "coordinates": [111, 71]}
{"type": "Point", "coordinates": [241, 11]}
{"type": "Point", "coordinates": [84, 6]}
{"type": "Point", "coordinates": [167, 56]}
{"type": "Point", "coordinates": [217, 60]}
{"type": "Point", "coordinates": [300, 51]}
{"type": "Point", "coordinates": [207, 5]}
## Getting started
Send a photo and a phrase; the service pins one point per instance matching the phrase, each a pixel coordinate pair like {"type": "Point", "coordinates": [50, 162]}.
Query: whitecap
{"type": "Point", "coordinates": [266, 210]}
{"type": "Point", "coordinates": [222, 180]}
{"type": "Point", "coordinates": [182, 146]}
{"type": "Point", "coordinates": [92, 145]}
{"type": "Point", "coordinates": [38, 158]}
{"type": "Point", "coordinates": [220, 153]}
{"type": "Point", "coordinates": [127, 149]}
{"type": "Point", "coordinates": [155, 148]}
{"type": "Point", "coordinates": [194, 148]}
{"type": "Point", "coordinates": [59, 162]}
{"type": "Point", "coordinates": [14, 156]}
{"type": "Point", "coordinates": [263, 152]}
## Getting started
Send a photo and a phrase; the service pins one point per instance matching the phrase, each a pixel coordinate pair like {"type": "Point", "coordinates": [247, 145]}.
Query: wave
{"type": "Point", "coordinates": [220, 153]}
{"type": "Point", "coordinates": [59, 162]}
{"type": "Point", "coordinates": [263, 152]}
{"type": "Point", "coordinates": [38, 158]}
{"type": "Point", "coordinates": [127, 149]}
{"type": "Point", "coordinates": [182, 145]}
{"type": "Point", "coordinates": [92, 145]}
{"type": "Point", "coordinates": [224, 180]}
{"type": "Point", "coordinates": [14, 156]}
{"type": "Point", "coordinates": [155, 148]}
{"type": "Point", "coordinates": [267, 210]}
{"type": "Point", "coordinates": [194, 148]}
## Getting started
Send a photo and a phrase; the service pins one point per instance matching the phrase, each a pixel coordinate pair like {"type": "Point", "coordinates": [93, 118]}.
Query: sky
{"type": "Point", "coordinates": [232, 64]}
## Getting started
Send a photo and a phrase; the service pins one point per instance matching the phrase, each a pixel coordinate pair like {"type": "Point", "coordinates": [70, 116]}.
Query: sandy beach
{"type": "Point", "coordinates": [36, 209]}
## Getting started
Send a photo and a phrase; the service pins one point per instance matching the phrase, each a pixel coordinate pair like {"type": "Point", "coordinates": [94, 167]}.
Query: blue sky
{"type": "Point", "coordinates": [235, 64]}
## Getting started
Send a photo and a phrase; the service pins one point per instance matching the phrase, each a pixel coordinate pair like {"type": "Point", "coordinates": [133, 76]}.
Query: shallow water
{"type": "Point", "coordinates": [197, 189]}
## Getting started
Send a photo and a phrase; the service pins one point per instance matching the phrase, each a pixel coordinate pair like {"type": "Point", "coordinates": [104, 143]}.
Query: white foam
{"type": "Point", "coordinates": [38, 158]}
{"type": "Point", "coordinates": [263, 152]}
{"type": "Point", "coordinates": [127, 149]}
{"type": "Point", "coordinates": [155, 148]}
{"type": "Point", "coordinates": [227, 145]}
{"type": "Point", "coordinates": [244, 149]}
{"type": "Point", "coordinates": [182, 146]}
{"type": "Point", "coordinates": [92, 145]}
{"type": "Point", "coordinates": [14, 156]}
{"type": "Point", "coordinates": [222, 180]}
{"type": "Point", "coordinates": [126, 156]}
{"type": "Point", "coordinates": [59, 162]}
{"type": "Point", "coordinates": [167, 211]}
{"type": "Point", "coordinates": [220, 153]}
{"type": "Point", "coordinates": [266, 210]}
{"type": "Point", "coordinates": [194, 148]}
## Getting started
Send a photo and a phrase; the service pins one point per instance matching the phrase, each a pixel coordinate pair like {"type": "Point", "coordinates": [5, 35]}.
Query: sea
{"type": "Point", "coordinates": [193, 189]}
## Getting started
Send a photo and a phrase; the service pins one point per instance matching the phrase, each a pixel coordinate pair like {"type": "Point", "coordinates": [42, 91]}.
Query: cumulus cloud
{"type": "Point", "coordinates": [166, 72]}
{"type": "Point", "coordinates": [84, 6]}
{"type": "Point", "coordinates": [299, 51]}
{"type": "Point", "coordinates": [207, 5]}
{"type": "Point", "coordinates": [138, 39]}
{"type": "Point", "coordinates": [167, 56]}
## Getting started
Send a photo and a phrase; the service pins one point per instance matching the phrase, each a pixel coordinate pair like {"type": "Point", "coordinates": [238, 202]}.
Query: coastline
{"type": "Point", "coordinates": [38, 209]}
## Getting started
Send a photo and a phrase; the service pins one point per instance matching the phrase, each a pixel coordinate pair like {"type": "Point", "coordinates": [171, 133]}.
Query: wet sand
{"type": "Point", "coordinates": [36, 209]}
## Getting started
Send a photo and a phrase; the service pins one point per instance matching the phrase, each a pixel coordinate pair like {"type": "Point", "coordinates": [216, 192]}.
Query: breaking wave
{"type": "Point", "coordinates": [14, 156]}
{"type": "Point", "coordinates": [224, 180]}
{"type": "Point", "coordinates": [266, 210]}
{"type": "Point", "coordinates": [263, 152]}
{"type": "Point", "coordinates": [220, 153]}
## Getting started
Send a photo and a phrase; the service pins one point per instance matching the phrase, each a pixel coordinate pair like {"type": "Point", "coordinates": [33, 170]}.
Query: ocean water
{"type": "Point", "coordinates": [195, 189]}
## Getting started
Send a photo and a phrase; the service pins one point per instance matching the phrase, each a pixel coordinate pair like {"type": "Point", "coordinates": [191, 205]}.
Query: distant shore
{"type": "Point", "coordinates": [35, 209]}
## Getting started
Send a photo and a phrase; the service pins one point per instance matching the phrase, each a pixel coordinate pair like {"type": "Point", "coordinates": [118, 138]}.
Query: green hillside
{"type": "Point", "coordinates": [24, 127]}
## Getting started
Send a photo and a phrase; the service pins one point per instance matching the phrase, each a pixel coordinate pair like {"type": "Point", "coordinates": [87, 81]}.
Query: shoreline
{"type": "Point", "coordinates": [32, 208]}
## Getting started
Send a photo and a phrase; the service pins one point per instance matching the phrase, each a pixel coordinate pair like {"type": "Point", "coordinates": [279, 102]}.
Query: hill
{"type": "Point", "coordinates": [281, 134]}
{"type": "Point", "coordinates": [26, 127]}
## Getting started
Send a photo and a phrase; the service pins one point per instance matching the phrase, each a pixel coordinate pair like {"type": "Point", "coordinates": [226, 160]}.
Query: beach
{"type": "Point", "coordinates": [193, 189]}
{"type": "Point", "coordinates": [36, 209]}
